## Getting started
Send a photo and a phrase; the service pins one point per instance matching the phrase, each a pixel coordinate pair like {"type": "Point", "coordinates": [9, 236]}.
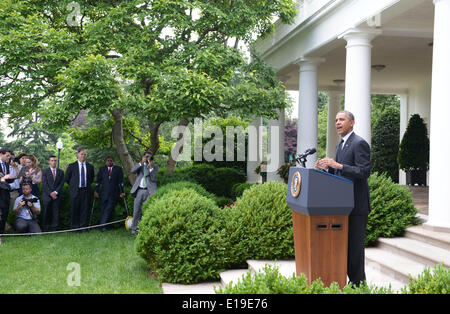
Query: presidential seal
{"type": "Point", "coordinates": [296, 184]}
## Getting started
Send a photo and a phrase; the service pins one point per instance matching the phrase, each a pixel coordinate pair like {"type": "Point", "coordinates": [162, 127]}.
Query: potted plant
{"type": "Point", "coordinates": [414, 151]}
{"type": "Point", "coordinates": [283, 171]}
{"type": "Point", "coordinates": [262, 171]}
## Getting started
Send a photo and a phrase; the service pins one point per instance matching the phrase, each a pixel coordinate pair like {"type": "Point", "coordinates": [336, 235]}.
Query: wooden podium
{"type": "Point", "coordinates": [320, 204]}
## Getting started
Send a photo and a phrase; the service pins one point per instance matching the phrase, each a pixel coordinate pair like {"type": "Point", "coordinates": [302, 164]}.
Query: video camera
{"type": "Point", "coordinates": [11, 180]}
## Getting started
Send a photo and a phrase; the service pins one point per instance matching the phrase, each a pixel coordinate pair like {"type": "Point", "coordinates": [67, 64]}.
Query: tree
{"type": "Point", "coordinates": [385, 142]}
{"type": "Point", "coordinates": [165, 60]}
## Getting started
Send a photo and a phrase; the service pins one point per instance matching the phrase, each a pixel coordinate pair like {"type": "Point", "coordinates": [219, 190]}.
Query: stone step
{"type": "Point", "coordinates": [416, 250]}
{"type": "Point", "coordinates": [232, 275]}
{"type": "Point", "coordinates": [393, 265]}
{"type": "Point", "coordinates": [439, 239]}
{"type": "Point", "coordinates": [201, 288]}
{"type": "Point", "coordinates": [286, 268]}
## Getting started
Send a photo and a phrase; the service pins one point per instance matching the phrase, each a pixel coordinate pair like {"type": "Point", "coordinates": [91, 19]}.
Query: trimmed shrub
{"type": "Point", "coordinates": [182, 239]}
{"type": "Point", "coordinates": [392, 209]}
{"type": "Point", "coordinates": [414, 150]}
{"type": "Point", "coordinates": [270, 281]}
{"type": "Point", "coordinates": [259, 226]}
{"type": "Point", "coordinates": [176, 186]}
{"type": "Point", "coordinates": [238, 189]}
{"type": "Point", "coordinates": [385, 142]}
{"type": "Point", "coordinates": [215, 180]}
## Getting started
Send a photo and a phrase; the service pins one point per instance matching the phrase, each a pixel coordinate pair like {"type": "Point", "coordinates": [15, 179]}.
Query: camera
{"type": "Point", "coordinates": [11, 180]}
{"type": "Point", "coordinates": [149, 158]}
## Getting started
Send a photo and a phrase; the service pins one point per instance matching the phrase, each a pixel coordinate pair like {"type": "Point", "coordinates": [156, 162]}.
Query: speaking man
{"type": "Point", "coordinates": [352, 161]}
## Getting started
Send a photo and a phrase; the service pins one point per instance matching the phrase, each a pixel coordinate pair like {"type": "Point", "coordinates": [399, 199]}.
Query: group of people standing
{"type": "Point", "coordinates": [20, 177]}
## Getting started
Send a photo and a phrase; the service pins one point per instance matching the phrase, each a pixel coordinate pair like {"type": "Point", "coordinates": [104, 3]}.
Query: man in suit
{"type": "Point", "coordinates": [5, 177]}
{"type": "Point", "coordinates": [110, 184]}
{"type": "Point", "coordinates": [143, 187]}
{"type": "Point", "coordinates": [352, 161]}
{"type": "Point", "coordinates": [79, 177]}
{"type": "Point", "coordinates": [52, 185]}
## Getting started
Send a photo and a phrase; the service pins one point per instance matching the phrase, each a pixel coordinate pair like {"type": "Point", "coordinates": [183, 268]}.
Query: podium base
{"type": "Point", "coordinates": [321, 244]}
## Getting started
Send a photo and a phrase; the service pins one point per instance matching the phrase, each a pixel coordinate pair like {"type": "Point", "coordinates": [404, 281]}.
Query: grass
{"type": "Point", "coordinates": [107, 264]}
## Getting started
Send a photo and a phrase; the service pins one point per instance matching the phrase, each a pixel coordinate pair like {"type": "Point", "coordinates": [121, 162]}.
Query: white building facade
{"type": "Point", "coordinates": [361, 47]}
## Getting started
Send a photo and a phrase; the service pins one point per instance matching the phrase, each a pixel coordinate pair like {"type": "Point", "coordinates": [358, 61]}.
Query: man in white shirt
{"type": "Point", "coordinates": [26, 208]}
{"type": "Point", "coordinates": [52, 185]}
{"type": "Point", "coordinates": [79, 177]}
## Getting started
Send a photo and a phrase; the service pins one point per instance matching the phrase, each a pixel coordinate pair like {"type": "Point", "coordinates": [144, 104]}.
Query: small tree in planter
{"type": "Point", "coordinates": [414, 151]}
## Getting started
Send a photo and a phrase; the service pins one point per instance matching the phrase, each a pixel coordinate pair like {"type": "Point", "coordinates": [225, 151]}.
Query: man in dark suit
{"type": "Point", "coordinates": [79, 177]}
{"type": "Point", "coordinates": [5, 176]}
{"type": "Point", "coordinates": [352, 161]}
{"type": "Point", "coordinates": [110, 185]}
{"type": "Point", "coordinates": [52, 185]}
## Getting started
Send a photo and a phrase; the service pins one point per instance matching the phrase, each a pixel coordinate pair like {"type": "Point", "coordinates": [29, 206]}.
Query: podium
{"type": "Point", "coordinates": [320, 203]}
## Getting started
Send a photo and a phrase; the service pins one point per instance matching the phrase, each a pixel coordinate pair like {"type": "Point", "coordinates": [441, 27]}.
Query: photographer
{"type": "Point", "coordinates": [5, 179]}
{"type": "Point", "coordinates": [143, 187]}
{"type": "Point", "coordinates": [26, 208]}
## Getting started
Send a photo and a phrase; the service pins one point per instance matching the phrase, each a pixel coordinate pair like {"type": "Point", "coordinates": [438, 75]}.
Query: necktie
{"type": "Point", "coordinates": [109, 172]}
{"type": "Point", "coordinates": [339, 150]}
{"type": "Point", "coordinates": [83, 176]}
{"type": "Point", "coordinates": [3, 168]}
{"type": "Point", "coordinates": [54, 174]}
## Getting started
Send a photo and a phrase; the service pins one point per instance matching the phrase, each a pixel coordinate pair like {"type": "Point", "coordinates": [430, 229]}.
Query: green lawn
{"type": "Point", "coordinates": [107, 264]}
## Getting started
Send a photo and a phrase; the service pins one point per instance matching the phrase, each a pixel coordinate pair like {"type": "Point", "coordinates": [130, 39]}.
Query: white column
{"type": "Point", "coordinates": [358, 78]}
{"type": "Point", "coordinates": [334, 105]}
{"type": "Point", "coordinates": [276, 146]}
{"type": "Point", "coordinates": [307, 107]}
{"type": "Point", "coordinates": [254, 150]}
{"type": "Point", "coordinates": [439, 199]}
{"type": "Point", "coordinates": [404, 117]}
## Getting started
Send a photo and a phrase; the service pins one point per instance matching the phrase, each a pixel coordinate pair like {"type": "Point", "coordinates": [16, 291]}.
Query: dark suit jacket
{"type": "Point", "coordinates": [73, 177]}
{"type": "Point", "coordinates": [50, 185]}
{"type": "Point", "coordinates": [355, 158]}
{"type": "Point", "coordinates": [110, 187]}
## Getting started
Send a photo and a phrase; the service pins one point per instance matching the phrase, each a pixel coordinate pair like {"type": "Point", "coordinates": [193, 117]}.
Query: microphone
{"type": "Point", "coordinates": [302, 158]}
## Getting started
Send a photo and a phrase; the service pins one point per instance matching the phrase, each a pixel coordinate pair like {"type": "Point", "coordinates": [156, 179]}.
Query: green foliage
{"type": "Point", "coordinates": [177, 186]}
{"type": "Point", "coordinates": [259, 226]}
{"type": "Point", "coordinates": [215, 180]}
{"type": "Point", "coordinates": [228, 127]}
{"type": "Point", "coordinates": [182, 239]}
{"type": "Point", "coordinates": [385, 141]}
{"type": "Point", "coordinates": [392, 209]}
{"type": "Point", "coordinates": [414, 150]}
{"type": "Point", "coordinates": [437, 282]}
{"type": "Point", "coordinates": [238, 189]}
{"type": "Point", "coordinates": [270, 281]}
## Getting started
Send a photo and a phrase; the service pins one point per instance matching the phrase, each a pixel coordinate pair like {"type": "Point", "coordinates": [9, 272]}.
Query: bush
{"type": "Point", "coordinates": [215, 180]}
{"type": "Point", "coordinates": [177, 186]}
{"type": "Point", "coordinates": [182, 238]}
{"type": "Point", "coordinates": [238, 189]}
{"type": "Point", "coordinates": [270, 281]}
{"type": "Point", "coordinates": [259, 226]}
{"type": "Point", "coordinates": [392, 209]}
{"type": "Point", "coordinates": [414, 150]}
{"type": "Point", "coordinates": [385, 142]}
{"type": "Point", "coordinates": [437, 282]}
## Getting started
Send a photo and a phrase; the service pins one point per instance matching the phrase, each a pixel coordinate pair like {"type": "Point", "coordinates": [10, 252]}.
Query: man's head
{"type": "Point", "coordinates": [52, 161]}
{"type": "Point", "coordinates": [345, 120]}
{"type": "Point", "coordinates": [26, 189]}
{"type": "Point", "coordinates": [81, 155]}
{"type": "Point", "coordinates": [109, 161]}
{"type": "Point", "coordinates": [5, 154]}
